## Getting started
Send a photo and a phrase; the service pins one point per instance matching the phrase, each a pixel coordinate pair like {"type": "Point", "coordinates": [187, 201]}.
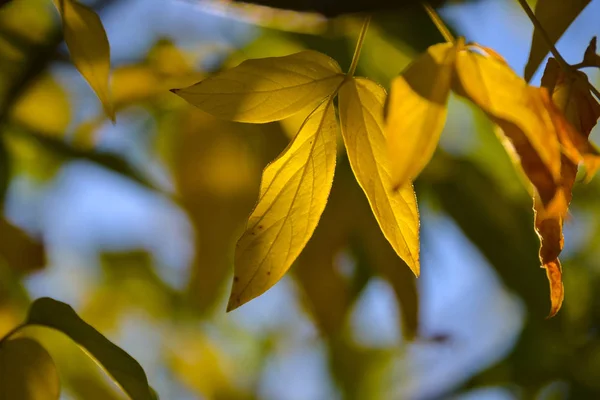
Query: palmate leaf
{"type": "Point", "coordinates": [416, 112]}
{"type": "Point", "coordinates": [90, 51]}
{"type": "Point", "coordinates": [293, 194]}
{"type": "Point", "coordinates": [266, 89]}
{"type": "Point", "coordinates": [361, 104]}
{"type": "Point", "coordinates": [27, 371]}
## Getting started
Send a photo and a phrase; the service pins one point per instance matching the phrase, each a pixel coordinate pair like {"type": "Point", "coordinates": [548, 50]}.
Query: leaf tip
{"type": "Point", "coordinates": [557, 290]}
{"type": "Point", "coordinates": [234, 302]}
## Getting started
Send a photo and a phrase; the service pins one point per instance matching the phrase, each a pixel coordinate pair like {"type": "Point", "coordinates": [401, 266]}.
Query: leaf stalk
{"type": "Point", "coordinates": [568, 69]}
{"type": "Point", "coordinates": [359, 45]}
{"type": "Point", "coordinates": [439, 24]}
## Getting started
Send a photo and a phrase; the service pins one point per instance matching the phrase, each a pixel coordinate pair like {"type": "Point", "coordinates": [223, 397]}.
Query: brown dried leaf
{"type": "Point", "coordinates": [574, 112]}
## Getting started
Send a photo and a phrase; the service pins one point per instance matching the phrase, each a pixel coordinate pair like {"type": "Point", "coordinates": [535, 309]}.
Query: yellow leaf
{"type": "Point", "coordinates": [520, 110]}
{"type": "Point", "coordinates": [361, 104]}
{"type": "Point", "coordinates": [44, 108]}
{"type": "Point", "coordinates": [293, 194]}
{"type": "Point", "coordinates": [416, 112]}
{"type": "Point", "coordinates": [88, 44]}
{"type": "Point", "coordinates": [555, 16]}
{"type": "Point", "coordinates": [27, 371]}
{"type": "Point", "coordinates": [266, 89]}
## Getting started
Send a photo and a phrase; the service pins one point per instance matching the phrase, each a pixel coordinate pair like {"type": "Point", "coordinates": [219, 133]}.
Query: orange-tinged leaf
{"type": "Point", "coordinates": [361, 103]}
{"type": "Point", "coordinates": [579, 107]}
{"type": "Point", "coordinates": [416, 112]}
{"type": "Point", "coordinates": [266, 89]}
{"type": "Point", "coordinates": [90, 51]}
{"type": "Point", "coordinates": [520, 110]}
{"type": "Point", "coordinates": [555, 16]}
{"type": "Point", "coordinates": [557, 290]}
{"type": "Point", "coordinates": [293, 194]}
{"type": "Point", "coordinates": [574, 112]}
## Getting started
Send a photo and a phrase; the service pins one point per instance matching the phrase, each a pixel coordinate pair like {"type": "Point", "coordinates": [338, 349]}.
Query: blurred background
{"type": "Point", "coordinates": [134, 224]}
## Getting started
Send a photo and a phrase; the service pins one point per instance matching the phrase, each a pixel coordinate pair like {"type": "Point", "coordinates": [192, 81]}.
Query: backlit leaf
{"type": "Point", "coordinates": [125, 370]}
{"type": "Point", "coordinates": [519, 110]}
{"type": "Point", "coordinates": [574, 112]}
{"type": "Point", "coordinates": [361, 104]}
{"type": "Point", "coordinates": [293, 193]}
{"type": "Point", "coordinates": [416, 112]}
{"type": "Point", "coordinates": [27, 371]}
{"type": "Point", "coordinates": [555, 16]}
{"type": "Point", "coordinates": [266, 89]}
{"type": "Point", "coordinates": [89, 47]}
{"type": "Point", "coordinates": [572, 96]}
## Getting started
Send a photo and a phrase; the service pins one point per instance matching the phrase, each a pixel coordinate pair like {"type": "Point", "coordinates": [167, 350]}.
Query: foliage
{"type": "Point", "coordinates": [302, 215]}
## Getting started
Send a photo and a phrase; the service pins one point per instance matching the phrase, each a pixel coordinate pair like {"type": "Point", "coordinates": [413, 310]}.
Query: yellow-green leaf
{"type": "Point", "coordinates": [555, 16]}
{"type": "Point", "coordinates": [510, 102]}
{"type": "Point", "coordinates": [123, 368]}
{"type": "Point", "coordinates": [27, 371]}
{"type": "Point", "coordinates": [416, 112]}
{"type": "Point", "coordinates": [293, 194]}
{"type": "Point", "coordinates": [266, 89]}
{"type": "Point", "coordinates": [361, 104]}
{"type": "Point", "coordinates": [87, 41]}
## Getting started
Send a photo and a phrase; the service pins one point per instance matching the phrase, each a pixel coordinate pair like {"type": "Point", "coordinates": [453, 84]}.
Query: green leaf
{"type": "Point", "coordinates": [90, 51]}
{"type": "Point", "coordinates": [361, 104]}
{"type": "Point", "coordinates": [293, 194]}
{"type": "Point", "coordinates": [555, 16]}
{"type": "Point", "coordinates": [416, 112]}
{"type": "Point", "coordinates": [125, 370]}
{"type": "Point", "coordinates": [266, 89]}
{"type": "Point", "coordinates": [27, 371]}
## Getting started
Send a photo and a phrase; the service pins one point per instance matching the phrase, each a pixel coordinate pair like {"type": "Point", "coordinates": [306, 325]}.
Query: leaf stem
{"type": "Point", "coordinates": [564, 65]}
{"type": "Point", "coordinates": [538, 25]}
{"type": "Point", "coordinates": [359, 45]}
{"type": "Point", "coordinates": [439, 24]}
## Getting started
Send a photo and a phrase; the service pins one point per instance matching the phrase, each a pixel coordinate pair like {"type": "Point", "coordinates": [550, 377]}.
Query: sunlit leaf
{"type": "Point", "coordinates": [520, 110]}
{"type": "Point", "coordinates": [555, 16]}
{"type": "Point", "coordinates": [266, 89]}
{"type": "Point", "coordinates": [361, 104]}
{"type": "Point", "coordinates": [27, 371]}
{"type": "Point", "coordinates": [89, 47]}
{"type": "Point", "coordinates": [125, 370]}
{"type": "Point", "coordinates": [294, 190]}
{"type": "Point", "coordinates": [416, 112]}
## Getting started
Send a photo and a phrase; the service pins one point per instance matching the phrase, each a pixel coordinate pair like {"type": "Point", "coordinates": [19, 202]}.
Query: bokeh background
{"type": "Point", "coordinates": [134, 224]}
